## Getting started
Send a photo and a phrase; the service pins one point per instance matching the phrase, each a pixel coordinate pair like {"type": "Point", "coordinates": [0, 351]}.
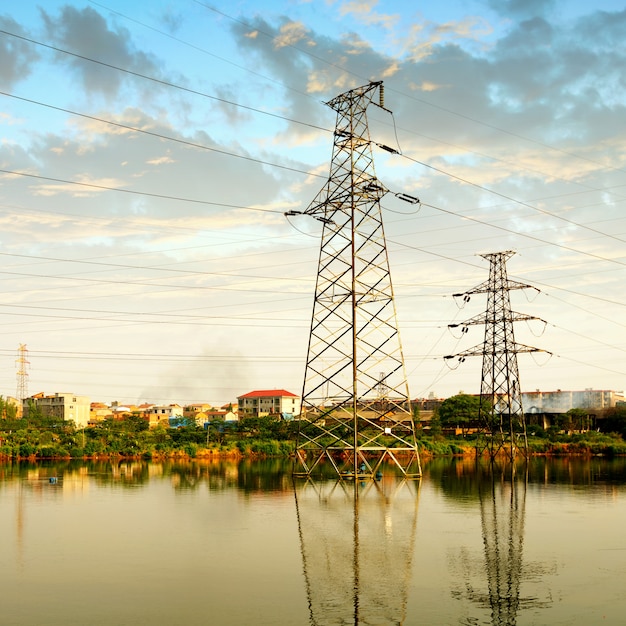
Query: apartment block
{"type": "Point", "coordinates": [63, 406]}
{"type": "Point", "coordinates": [269, 402]}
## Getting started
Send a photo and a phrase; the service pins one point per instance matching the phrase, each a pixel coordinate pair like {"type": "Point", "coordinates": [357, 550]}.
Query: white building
{"type": "Point", "coordinates": [269, 402]}
{"type": "Point", "coordinates": [63, 406]}
{"type": "Point", "coordinates": [562, 401]}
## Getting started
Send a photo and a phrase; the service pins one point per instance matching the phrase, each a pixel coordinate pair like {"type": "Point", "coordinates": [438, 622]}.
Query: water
{"type": "Point", "coordinates": [236, 543]}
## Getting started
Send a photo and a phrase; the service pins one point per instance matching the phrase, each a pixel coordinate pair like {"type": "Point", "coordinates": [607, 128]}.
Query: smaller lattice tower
{"type": "Point", "coordinates": [501, 416]}
{"type": "Point", "coordinates": [22, 372]}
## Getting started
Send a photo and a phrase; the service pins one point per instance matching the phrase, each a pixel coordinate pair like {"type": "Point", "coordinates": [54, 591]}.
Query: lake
{"type": "Point", "coordinates": [227, 542]}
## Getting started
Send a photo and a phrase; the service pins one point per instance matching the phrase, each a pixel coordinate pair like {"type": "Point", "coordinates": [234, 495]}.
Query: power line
{"type": "Point", "coordinates": [198, 48]}
{"type": "Point", "coordinates": [184, 142]}
{"type": "Point", "coordinates": [160, 81]}
{"type": "Point", "coordinates": [139, 193]}
{"type": "Point", "coordinates": [410, 96]}
{"type": "Point", "coordinates": [527, 236]}
{"type": "Point", "coordinates": [511, 199]}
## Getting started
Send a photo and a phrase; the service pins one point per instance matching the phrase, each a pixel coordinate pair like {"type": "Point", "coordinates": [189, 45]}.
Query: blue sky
{"type": "Point", "coordinates": [191, 285]}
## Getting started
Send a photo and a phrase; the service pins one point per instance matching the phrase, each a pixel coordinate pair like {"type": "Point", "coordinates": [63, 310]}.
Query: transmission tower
{"type": "Point", "coordinates": [354, 418]}
{"type": "Point", "coordinates": [501, 416]}
{"type": "Point", "coordinates": [22, 372]}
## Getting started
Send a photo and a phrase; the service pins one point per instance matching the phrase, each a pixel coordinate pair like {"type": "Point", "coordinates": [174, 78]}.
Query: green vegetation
{"type": "Point", "coordinates": [459, 412]}
{"type": "Point", "coordinates": [41, 438]}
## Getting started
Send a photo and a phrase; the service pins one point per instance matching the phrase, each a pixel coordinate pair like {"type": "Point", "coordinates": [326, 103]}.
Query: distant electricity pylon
{"type": "Point", "coordinates": [356, 412]}
{"type": "Point", "coordinates": [22, 372]}
{"type": "Point", "coordinates": [501, 416]}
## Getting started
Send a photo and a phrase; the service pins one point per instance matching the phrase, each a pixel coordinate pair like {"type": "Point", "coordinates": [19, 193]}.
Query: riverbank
{"type": "Point", "coordinates": [607, 446]}
{"type": "Point", "coordinates": [249, 438]}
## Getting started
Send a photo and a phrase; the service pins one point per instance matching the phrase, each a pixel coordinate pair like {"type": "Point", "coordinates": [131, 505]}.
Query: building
{"type": "Point", "coordinates": [269, 402]}
{"type": "Point", "coordinates": [65, 407]}
{"type": "Point", "coordinates": [162, 414]}
{"type": "Point", "coordinates": [558, 401]}
{"type": "Point", "coordinates": [98, 412]}
{"type": "Point", "coordinates": [11, 404]}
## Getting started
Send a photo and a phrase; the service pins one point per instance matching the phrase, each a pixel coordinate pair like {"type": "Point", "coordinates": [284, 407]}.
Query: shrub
{"type": "Point", "coordinates": [270, 448]}
{"type": "Point", "coordinates": [52, 452]}
{"type": "Point", "coordinates": [26, 449]}
{"type": "Point", "coordinates": [191, 449]}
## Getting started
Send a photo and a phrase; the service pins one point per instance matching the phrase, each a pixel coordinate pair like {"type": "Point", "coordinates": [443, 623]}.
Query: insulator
{"type": "Point", "coordinates": [381, 95]}
{"type": "Point", "coordinates": [387, 148]}
{"type": "Point", "coordinates": [407, 198]}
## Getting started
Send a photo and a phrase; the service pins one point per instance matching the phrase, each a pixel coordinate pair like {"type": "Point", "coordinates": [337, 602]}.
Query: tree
{"type": "Point", "coordinates": [8, 410]}
{"type": "Point", "coordinates": [615, 421]}
{"type": "Point", "coordinates": [578, 419]}
{"type": "Point", "coordinates": [459, 411]}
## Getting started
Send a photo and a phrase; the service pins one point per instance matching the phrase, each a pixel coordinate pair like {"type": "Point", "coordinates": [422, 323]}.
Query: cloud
{"type": "Point", "coordinates": [496, 123]}
{"type": "Point", "coordinates": [425, 37]}
{"type": "Point", "coordinates": [86, 33]}
{"type": "Point", "coordinates": [160, 160]}
{"type": "Point", "coordinates": [290, 34]}
{"type": "Point", "coordinates": [364, 13]}
{"type": "Point", "coordinates": [521, 9]}
{"type": "Point", "coordinates": [17, 56]}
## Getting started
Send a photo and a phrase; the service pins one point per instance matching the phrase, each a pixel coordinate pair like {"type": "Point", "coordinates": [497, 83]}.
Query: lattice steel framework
{"type": "Point", "coordinates": [356, 414]}
{"type": "Point", "coordinates": [358, 543]}
{"type": "Point", "coordinates": [501, 416]}
{"type": "Point", "coordinates": [499, 584]}
{"type": "Point", "coordinates": [22, 372]}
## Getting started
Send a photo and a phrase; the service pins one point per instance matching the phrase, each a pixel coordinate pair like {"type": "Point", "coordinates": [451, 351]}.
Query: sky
{"type": "Point", "coordinates": [150, 150]}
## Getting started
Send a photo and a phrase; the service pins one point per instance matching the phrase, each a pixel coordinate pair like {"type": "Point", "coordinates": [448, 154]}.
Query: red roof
{"type": "Point", "coordinates": [269, 393]}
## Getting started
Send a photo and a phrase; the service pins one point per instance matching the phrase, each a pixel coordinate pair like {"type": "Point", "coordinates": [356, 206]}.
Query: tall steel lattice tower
{"type": "Point", "coordinates": [22, 372]}
{"type": "Point", "coordinates": [356, 414]}
{"type": "Point", "coordinates": [501, 416]}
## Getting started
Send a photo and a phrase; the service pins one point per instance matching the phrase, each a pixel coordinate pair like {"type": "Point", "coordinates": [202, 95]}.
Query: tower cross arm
{"type": "Point", "coordinates": [488, 286]}
{"type": "Point", "coordinates": [520, 347]}
{"type": "Point", "coordinates": [523, 317]}
{"type": "Point", "coordinates": [482, 288]}
{"type": "Point", "coordinates": [481, 318]}
{"type": "Point", "coordinates": [475, 351]}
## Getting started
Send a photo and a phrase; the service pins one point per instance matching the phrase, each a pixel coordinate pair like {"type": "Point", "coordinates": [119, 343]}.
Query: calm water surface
{"type": "Point", "coordinates": [237, 543]}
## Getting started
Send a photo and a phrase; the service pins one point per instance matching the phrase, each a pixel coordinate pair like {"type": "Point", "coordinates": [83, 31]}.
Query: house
{"type": "Point", "coordinates": [231, 410]}
{"type": "Point", "coordinates": [222, 415]}
{"type": "Point", "coordinates": [197, 412]}
{"type": "Point", "coordinates": [13, 402]}
{"type": "Point", "coordinates": [269, 402]}
{"type": "Point", "coordinates": [65, 407]}
{"type": "Point", "coordinates": [162, 414]}
{"type": "Point", "coordinates": [98, 411]}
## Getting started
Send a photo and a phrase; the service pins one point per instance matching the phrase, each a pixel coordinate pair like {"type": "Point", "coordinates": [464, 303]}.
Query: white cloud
{"type": "Point", "coordinates": [492, 124]}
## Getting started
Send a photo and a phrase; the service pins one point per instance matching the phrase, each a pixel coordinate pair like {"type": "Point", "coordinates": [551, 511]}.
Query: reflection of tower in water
{"type": "Point", "coordinates": [502, 498]}
{"type": "Point", "coordinates": [357, 543]}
